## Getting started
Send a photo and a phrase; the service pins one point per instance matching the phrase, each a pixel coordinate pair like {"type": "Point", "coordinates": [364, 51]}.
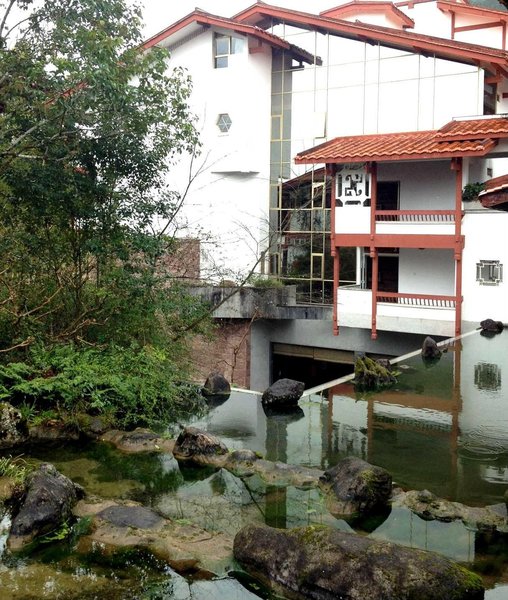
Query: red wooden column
{"type": "Point", "coordinates": [372, 169]}
{"type": "Point", "coordinates": [456, 165]}
{"type": "Point", "coordinates": [331, 171]}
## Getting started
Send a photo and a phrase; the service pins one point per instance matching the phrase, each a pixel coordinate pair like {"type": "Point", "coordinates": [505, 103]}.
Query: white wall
{"type": "Point", "coordinates": [426, 272]}
{"type": "Point", "coordinates": [227, 203]}
{"type": "Point", "coordinates": [424, 185]}
{"type": "Point", "coordinates": [485, 232]}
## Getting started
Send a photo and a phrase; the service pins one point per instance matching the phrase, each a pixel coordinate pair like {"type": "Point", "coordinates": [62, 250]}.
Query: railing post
{"type": "Point", "coordinates": [372, 168]}
{"type": "Point", "coordinates": [457, 167]}
{"type": "Point", "coordinates": [331, 172]}
{"type": "Point", "coordinates": [375, 272]}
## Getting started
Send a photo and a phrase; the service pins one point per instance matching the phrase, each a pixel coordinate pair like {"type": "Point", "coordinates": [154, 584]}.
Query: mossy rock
{"type": "Point", "coordinates": [322, 563]}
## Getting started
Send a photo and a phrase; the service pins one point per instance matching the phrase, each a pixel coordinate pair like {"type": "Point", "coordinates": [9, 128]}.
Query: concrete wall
{"type": "Point", "coordinates": [319, 334]}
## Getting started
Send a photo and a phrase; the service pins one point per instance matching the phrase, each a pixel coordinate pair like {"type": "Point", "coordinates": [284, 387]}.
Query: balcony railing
{"type": "Point", "coordinates": [422, 300]}
{"type": "Point", "coordinates": [415, 216]}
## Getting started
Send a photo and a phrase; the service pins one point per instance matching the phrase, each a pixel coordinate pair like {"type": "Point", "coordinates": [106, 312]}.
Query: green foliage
{"type": "Point", "coordinates": [133, 385]}
{"type": "Point", "coordinates": [14, 467]}
{"type": "Point", "coordinates": [89, 126]}
{"type": "Point", "coordinates": [471, 191]}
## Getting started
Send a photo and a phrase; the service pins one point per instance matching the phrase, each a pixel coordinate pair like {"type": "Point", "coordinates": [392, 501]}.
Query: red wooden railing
{"type": "Point", "coordinates": [423, 300]}
{"type": "Point", "coordinates": [415, 216]}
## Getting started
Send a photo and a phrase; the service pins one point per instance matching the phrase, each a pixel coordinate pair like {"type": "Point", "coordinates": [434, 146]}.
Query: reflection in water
{"type": "Point", "coordinates": [487, 376]}
{"type": "Point", "coordinates": [443, 427]}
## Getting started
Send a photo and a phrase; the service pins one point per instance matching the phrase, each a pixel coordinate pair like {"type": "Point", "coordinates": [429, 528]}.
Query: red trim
{"type": "Point", "coordinates": [336, 279]}
{"type": "Point", "coordinates": [392, 240]}
{"type": "Point", "coordinates": [480, 26]}
{"type": "Point", "coordinates": [372, 167]}
{"type": "Point", "coordinates": [375, 275]}
{"type": "Point", "coordinates": [468, 9]}
{"type": "Point", "coordinates": [465, 52]}
{"type": "Point", "coordinates": [457, 164]}
{"type": "Point", "coordinates": [200, 17]}
{"type": "Point", "coordinates": [330, 172]}
{"type": "Point", "coordinates": [358, 7]}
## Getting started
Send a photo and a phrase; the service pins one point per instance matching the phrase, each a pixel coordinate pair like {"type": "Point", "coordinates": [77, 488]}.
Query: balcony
{"type": "Point", "coordinates": [356, 220]}
{"type": "Point", "coordinates": [408, 313]}
{"type": "Point", "coordinates": [417, 222]}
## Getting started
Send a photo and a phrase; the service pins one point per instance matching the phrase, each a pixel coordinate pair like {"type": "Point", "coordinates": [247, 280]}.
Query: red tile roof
{"type": "Point", "coordinates": [413, 145]}
{"type": "Point", "coordinates": [263, 15]}
{"type": "Point", "coordinates": [201, 17]}
{"type": "Point", "coordinates": [495, 185]}
{"type": "Point", "coordinates": [474, 129]}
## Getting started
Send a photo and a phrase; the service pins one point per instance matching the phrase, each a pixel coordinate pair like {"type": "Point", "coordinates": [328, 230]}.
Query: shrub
{"type": "Point", "coordinates": [135, 385]}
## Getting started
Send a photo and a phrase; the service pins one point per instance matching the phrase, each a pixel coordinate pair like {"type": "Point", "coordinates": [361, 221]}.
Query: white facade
{"type": "Point", "coordinates": [280, 106]}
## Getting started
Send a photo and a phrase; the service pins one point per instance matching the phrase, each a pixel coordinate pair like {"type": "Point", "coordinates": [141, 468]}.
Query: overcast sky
{"type": "Point", "coordinates": [159, 14]}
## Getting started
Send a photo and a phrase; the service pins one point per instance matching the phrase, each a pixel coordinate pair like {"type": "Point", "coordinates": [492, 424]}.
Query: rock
{"type": "Point", "coordinates": [47, 504]}
{"type": "Point", "coordinates": [184, 546]}
{"type": "Point", "coordinates": [131, 516]}
{"type": "Point", "coordinates": [430, 349]}
{"type": "Point", "coordinates": [429, 507]}
{"type": "Point", "coordinates": [200, 447]}
{"type": "Point", "coordinates": [284, 393]}
{"type": "Point", "coordinates": [13, 427]}
{"type": "Point", "coordinates": [492, 326]}
{"type": "Point", "coordinates": [355, 487]}
{"type": "Point", "coordinates": [372, 374]}
{"type": "Point", "coordinates": [53, 430]}
{"type": "Point", "coordinates": [322, 563]}
{"type": "Point", "coordinates": [139, 440]}
{"type": "Point", "coordinates": [216, 385]}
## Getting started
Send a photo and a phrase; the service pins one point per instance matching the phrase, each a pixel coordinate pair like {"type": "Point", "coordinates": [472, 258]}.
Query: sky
{"type": "Point", "coordinates": [159, 14]}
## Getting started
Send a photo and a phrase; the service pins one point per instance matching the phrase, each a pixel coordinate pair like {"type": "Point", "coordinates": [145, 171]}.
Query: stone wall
{"type": "Point", "coordinates": [228, 352]}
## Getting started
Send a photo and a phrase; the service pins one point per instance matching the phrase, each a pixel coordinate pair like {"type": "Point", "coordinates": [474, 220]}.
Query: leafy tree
{"type": "Point", "coordinates": [89, 126]}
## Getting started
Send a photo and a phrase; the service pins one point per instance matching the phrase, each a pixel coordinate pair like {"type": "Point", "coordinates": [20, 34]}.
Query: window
{"type": "Point", "coordinates": [223, 47]}
{"type": "Point", "coordinates": [489, 272]}
{"type": "Point", "coordinates": [224, 122]}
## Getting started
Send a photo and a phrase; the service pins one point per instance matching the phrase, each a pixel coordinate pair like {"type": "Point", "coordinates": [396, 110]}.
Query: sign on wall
{"type": "Point", "coordinates": [353, 185]}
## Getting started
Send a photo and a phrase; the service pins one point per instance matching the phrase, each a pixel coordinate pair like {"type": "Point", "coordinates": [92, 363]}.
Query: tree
{"type": "Point", "coordinates": [89, 126]}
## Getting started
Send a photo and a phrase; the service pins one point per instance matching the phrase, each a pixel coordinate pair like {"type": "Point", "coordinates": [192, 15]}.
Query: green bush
{"type": "Point", "coordinates": [135, 385]}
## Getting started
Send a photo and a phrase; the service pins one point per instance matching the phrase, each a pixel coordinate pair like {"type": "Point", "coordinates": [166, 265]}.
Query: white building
{"type": "Point", "coordinates": [389, 109]}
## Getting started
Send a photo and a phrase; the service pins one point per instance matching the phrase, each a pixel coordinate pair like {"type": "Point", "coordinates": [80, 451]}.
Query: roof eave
{"type": "Point", "coordinates": [395, 157]}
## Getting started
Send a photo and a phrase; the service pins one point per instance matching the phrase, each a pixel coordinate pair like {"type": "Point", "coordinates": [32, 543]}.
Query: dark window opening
{"type": "Point", "coordinates": [387, 195]}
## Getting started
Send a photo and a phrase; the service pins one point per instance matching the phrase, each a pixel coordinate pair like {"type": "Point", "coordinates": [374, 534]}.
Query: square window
{"type": "Point", "coordinates": [223, 47]}
{"type": "Point", "coordinates": [489, 272]}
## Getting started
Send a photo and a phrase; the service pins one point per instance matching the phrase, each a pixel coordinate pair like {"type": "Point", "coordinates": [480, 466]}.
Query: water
{"type": "Point", "coordinates": [444, 428]}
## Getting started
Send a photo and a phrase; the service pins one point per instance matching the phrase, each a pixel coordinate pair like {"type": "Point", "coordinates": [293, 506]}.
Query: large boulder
{"type": "Point", "coordinates": [283, 394]}
{"type": "Point", "coordinates": [355, 487]}
{"type": "Point", "coordinates": [48, 503]}
{"type": "Point", "coordinates": [13, 427]}
{"type": "Point", "coordinates": [199, 447]}
{"type": "Point", "coordinates": [322, 563]}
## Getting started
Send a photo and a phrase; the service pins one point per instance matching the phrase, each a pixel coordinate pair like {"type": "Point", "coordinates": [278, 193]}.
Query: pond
{"type": "Point", "coordinates": [443, 427]}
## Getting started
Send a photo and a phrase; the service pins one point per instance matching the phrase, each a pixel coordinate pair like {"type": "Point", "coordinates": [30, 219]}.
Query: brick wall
{"type": "Point", "coordinates": [228, 353]}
